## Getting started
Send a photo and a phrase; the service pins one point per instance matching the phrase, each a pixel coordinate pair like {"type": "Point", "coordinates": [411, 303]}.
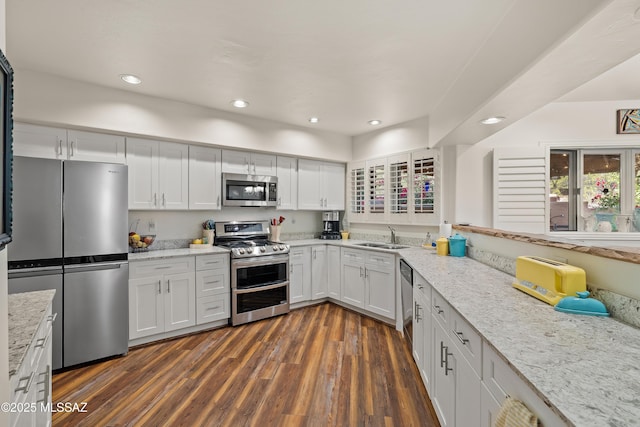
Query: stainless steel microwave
{"type": "Point", "coordinates": [249, 190]}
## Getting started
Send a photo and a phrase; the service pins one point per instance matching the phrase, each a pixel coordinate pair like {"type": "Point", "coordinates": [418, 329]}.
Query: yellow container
{"type": "Point", "coordinates": [442, 246]}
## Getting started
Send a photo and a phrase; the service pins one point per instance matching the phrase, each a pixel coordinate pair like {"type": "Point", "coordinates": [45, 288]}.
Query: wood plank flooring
{"type": "Point", "coordinates": [317, 366]}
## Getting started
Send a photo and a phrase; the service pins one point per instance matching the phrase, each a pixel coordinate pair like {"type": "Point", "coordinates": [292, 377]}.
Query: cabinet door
{"type": "Point", "coordinates": [443, 397]}
{"type": "Point", "coordinates": [39, 141]}
{"type": "Point", "coordinates": [319, 272]}
{"type": "Point", "coordinates": [204, 178]}
{"type": "Point", "coordinates": [489, 408]}
{"type": "Point", "coordinates": [142, 159]}
{"type": "Point", "coordinates": [179, 301]}
{"type": "Point", "coordinates": [262, 164]}
{"type": "Point", "coordinates": [95, 147]}
{"type": "Point", "coordinates": [380, 289]}
{"type": "Point", "coordinates": [353, 277]}
{"type": "Point", "coordinates": [287, 172]}
{"type": "Point", "coordinates": [236, 161]}
{"type": "Point", "coordinates": [173, 169]}
{"type": "Point", "coordinates": [146, 307]}
{"type": "Point", "coordinates": [310, 185]}
{"type": "Point", "coordinates": [334, 186]}
{"type": "Point", "coordinates": [300, 274]}
{"type": "Point", "coordinates": [468, 391]}
{"type": "Point", "coordinates": [420, 312]}
{"type": "Point", "coordinates": [334, 282]}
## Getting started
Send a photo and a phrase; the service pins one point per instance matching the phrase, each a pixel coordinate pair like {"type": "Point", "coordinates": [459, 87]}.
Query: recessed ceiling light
{"type": "Point", "coordinates": [492, 120]}
{"type": "Point", "coordinates": [239, 103]}
{"type": "Point", "coordinates": [375, 122]}
{"type": "Point", "coordinates": [313, 120]}
{"type": "Point", "coordinates": [131, 79]}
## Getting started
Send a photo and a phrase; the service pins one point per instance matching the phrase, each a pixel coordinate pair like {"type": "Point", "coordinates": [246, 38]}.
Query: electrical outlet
{"type": "Point", "coordinates": [152, 226]}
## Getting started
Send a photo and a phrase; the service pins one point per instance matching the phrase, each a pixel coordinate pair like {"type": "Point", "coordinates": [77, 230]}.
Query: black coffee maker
{"type": "Point", "coordinates": [331, 226]}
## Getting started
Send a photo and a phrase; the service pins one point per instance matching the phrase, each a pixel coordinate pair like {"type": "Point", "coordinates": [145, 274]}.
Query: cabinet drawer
{"type": "Point", "coordinates": [212, 282]}
{"type": "Point", "coordinates": [467, 340]}
{"type": "Point", "coordinates": [142, 269]}
{"type": "Point", "coordinates": [440, 309]}
{"type": "Point", "coordinates": [381, 261]}
{"type": "Point", "coordinates": [421, 284]}
{"type": "Point", "coordinates": [351, 256]}
{"type": "Point", "coordinates": [208, 262]}
{"type": "Point", "coordinates": [209, 309]}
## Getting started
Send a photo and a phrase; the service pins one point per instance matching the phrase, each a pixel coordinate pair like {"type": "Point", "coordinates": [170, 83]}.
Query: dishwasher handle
{"type": "Point", "coordinates": [93, 267]}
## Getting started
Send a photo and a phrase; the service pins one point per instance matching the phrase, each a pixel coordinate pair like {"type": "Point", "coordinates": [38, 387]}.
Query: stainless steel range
{"type": "Point", "coordinates": [259, 270]}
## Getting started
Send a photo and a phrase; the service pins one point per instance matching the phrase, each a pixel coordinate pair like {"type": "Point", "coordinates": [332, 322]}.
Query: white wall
{"type": "Point", "coordinates": [411, 135]}
{"type": "Point", "coordinates": [4, 316]}
{"type": "Point", "coordinates": [170, 225]}
{"type": "Point", "coordinates": [562, 121]}
{"type": "Point", "coordinates": [47, 99]}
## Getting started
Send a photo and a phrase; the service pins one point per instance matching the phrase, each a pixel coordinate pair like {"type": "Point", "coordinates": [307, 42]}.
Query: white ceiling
{"type": "Point", "coordinates": [344, 61]}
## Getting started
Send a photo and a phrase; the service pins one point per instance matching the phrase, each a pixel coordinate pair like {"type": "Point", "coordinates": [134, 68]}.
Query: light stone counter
{"type": "Point", "coordinates": [26, 311]}
{"type": "Point", "coordinates": [171, 253]}
{"type": "Point", "coordinates": [585, 367]}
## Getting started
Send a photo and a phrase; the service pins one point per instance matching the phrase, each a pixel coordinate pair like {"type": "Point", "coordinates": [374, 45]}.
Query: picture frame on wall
{"type": "Point", "coordinates": [628, 121]}
{"type": "Point", "coordinates": [6, 130]}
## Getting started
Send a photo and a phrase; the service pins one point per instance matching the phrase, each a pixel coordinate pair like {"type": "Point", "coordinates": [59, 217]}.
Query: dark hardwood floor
{"type": "Point", "coordinates": [317, 366]}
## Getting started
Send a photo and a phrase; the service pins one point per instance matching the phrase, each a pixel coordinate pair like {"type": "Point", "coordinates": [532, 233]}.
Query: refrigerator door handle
{"type": "Point", "coordinates": [94, 267]}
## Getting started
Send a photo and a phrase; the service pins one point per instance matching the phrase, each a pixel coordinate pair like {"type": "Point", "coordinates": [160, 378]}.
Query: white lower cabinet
{"type": "Point", "coordinates": [334, 281]}
{"type": "Point", "coordinates": [212, 288]}
{"type": "Point", "coordinates": [300, 274]}
{"type": "Point", "coordinates": [31, 384]}
{"type": "Point", "coordinates": [368, 281]}
{"type": "Point", "coordinates": [422, 329]}
{"type": "Point", "coordinates": [319, 276]}
{"type": "Point", "coordinates": [162, 296]}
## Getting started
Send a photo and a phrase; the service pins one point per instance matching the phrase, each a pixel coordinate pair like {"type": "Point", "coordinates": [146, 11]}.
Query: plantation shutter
{"type": "Point", "coordinates": [519, 189]}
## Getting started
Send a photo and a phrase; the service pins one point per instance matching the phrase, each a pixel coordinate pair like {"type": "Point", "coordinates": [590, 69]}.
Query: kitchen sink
{"type": "Point", "coordinates": [382, 245]}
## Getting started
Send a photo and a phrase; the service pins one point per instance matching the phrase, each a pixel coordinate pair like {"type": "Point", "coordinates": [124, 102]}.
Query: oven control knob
{"type": "Point", "coordinates": [275, 248]}
{"type": "Point", "coordinates": [241, 251]}
{"type": "Point", "coordinates": [281, 247]}
{"type": "Point", "coordinates": [263, 249]}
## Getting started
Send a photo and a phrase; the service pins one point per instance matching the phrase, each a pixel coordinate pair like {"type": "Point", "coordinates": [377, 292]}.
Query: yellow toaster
{"type": "Point", "coordinates": [548, 280]}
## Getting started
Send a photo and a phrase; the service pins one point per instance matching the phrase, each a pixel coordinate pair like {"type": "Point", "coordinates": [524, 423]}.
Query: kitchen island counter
{"type": "Point", "coordinates": [585, 367]}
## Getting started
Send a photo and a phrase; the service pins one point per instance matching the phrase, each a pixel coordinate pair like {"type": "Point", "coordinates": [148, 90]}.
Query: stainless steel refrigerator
{"type": "Point", "coordinates": [70, 234]}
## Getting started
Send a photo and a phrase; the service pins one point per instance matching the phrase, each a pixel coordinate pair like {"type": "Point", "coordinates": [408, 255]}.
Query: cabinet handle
{"type": "Point", "coordinates": [417, 310]}
{"type": "Point", "coordinates": [460, 336]}
{"type": "Point", "coordinates": [366, 272]}
{"type": "Point", "coordinates": [314, 254]}
{"type": "Point", "coordinates": [218, 201]}
{"type": "Point", "coordinates": [168, 286]}
{"type": "Point", "coordinates": [213, 308]}
{"type": "Point", "coordinates": [25, 388]}
{"type": "Point", "coordinates": [60, 147]}
{"type": "Point", "coordinates": [325, 202]}
{"type": "Point", "coordinates": [41, 342]}
{"type": "Point", "coordinates": [360, 271]}
{"type": "Point", "coordinates": [52, 318]}
{"type": "Point", "coordinates": [72, 150]}
{"type": "Point", "coordinates": [321, 202]}
{"type": "Point", "coordinates": [164, 200]}
{"type": "Point", "coordinates": [159, 287]}
{"type": "Point", "coordinates": [438, 309]}
{"type": "Point", "coordinates": [155, 199]}
{"type": "Point", "coordinates": [442, 354]}
{"type": "Point", "coordinates": [254, 167]}
{"type": "Point", "coordinates": [446, 361]}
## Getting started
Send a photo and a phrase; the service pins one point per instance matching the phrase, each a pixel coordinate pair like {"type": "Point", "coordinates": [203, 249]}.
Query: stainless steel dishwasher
{"type": "Point", "coordinates": [406, 288]}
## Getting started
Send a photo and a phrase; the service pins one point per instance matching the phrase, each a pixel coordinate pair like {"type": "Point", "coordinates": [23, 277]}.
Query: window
{"type": "Point", "coordinates": [398, 186]}
{"type": "Point", "coordinates": [594, 190]}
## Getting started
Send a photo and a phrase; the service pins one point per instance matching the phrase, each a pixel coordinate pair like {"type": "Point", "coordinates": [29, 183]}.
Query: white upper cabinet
{"type": "Point", "coordinates": [287, 173]}
{"type": "Point", "coordinates": [205, 166]}
{"type": "Point", "coordinates": [55, 143]}
{"type": "Point", "coordinates": [245, 162]}
{"type": "Point", "coordinates": [158, 174]}
{"type": "Point", "coordinates": [321, 185]}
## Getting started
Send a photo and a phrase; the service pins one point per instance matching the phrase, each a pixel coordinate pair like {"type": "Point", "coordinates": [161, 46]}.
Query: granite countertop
{"type": "Point", "coordinates": [170, 253]}
{"type": "Point", "coordinates": [585, 367]}
{"type": "Point", "coordinates": [26, 311]}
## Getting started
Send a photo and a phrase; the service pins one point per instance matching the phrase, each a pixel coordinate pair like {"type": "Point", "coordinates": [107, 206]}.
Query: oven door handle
{"type": "Point", "coordinates": [264, 260]}
{"type": "Point", "coordinates": [261, 288]}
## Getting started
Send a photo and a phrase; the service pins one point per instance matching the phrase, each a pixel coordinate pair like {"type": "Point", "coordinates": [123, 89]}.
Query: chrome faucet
{"type": "Point", "coordinates": [554, 225]}
{"type": "Point", "coordinates": [393, 235]}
